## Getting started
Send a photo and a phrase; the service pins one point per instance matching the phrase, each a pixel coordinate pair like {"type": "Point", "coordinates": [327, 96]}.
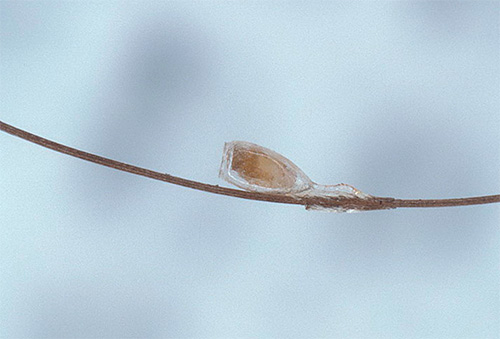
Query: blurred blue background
{"type": "Point", "coordinates": [398, 99]}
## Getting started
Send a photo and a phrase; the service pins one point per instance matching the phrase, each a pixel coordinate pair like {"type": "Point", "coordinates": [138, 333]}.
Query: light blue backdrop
{"type": "Point", "coordinates": [396, 98]}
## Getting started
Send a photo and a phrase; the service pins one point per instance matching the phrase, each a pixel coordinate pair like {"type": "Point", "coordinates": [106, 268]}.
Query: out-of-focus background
{"type": "Point", "coordinates": [396, 98]}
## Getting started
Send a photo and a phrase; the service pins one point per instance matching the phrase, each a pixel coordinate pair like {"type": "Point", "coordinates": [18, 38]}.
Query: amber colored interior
{"type": "Point", "coordinates": [258, 168]}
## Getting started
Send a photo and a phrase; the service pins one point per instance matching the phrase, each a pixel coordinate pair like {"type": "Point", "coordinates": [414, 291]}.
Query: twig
{"type": "Point", "coordinates": [344, 203]}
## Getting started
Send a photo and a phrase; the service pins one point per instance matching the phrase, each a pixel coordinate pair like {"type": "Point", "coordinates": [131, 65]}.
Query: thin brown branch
{"type": "Point", "coordinates": [374, 203]}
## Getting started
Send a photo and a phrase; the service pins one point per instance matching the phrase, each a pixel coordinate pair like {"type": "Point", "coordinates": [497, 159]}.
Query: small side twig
{"type": "Point", "coordinates": [373, 203]}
